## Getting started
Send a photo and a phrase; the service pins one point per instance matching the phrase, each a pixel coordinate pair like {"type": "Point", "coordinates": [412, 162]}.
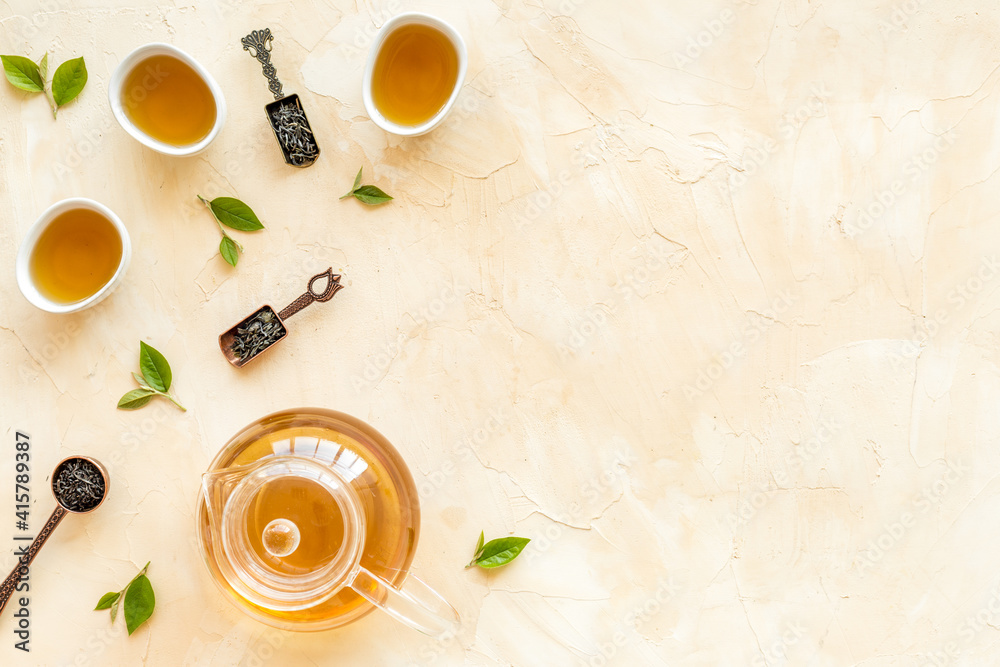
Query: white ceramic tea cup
{"type": "Point", "coordinates": [390, 26]}
{"type": "Point", "coordinates": [25, 281]}
{"type": "Point", "coordinates": [117, 84]}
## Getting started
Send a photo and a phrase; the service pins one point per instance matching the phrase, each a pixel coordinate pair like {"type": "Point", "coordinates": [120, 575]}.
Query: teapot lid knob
{"type": "Point", "coordinates": [281, 538]}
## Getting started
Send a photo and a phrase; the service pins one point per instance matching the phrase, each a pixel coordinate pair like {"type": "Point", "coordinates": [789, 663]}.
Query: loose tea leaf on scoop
{"type": "Point", "coordinates": [78, 485]}
{"type": "Point", "coordinates": [257, 334]}
{"type": "Point", "coordinates": [294, 134]}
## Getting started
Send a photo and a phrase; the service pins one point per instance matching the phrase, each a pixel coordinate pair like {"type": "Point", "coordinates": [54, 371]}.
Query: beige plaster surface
{"type": "Point", "coordinates": [701, 297]}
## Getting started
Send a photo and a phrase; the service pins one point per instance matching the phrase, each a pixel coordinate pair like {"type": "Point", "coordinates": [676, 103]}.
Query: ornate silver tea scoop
{"type": "Point", "coordinates": [286, 116]}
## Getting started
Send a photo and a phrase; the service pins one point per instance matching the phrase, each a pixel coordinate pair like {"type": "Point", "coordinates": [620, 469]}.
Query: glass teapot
{"type": "Point", "coordinates": [308, 519]}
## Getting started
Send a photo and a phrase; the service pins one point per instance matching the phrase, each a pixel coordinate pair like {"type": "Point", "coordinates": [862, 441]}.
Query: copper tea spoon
{"type": "Point", "coordinates": [265, 327]}
{"type": "Point", "coordinates": [64, 506]}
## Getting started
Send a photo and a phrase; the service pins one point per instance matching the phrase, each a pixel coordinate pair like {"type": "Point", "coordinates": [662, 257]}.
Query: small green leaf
{"type": "Point", "coordinates": [69, 80]}
{"type": "Point", "coordinates": [367, 194]}
{"type": "Point", "coordinates": [139, 603]}
{"type": "Point", "coordinates": [357, 182]}
{"type": "Point", "coordinates": [229, 250]}
{"type": "Point", "coordinates": [235, 214]}
{"type": "Point", "coordinates": [106, 601]}
{"type": "Point", "coordinates": [154, 367]}
{"type": "Point", "coordinates": [114, 609]}
{"type": "Point", "coordinates": [22, 73]}
{"type": "Point", "coordinates": [43, 66]}
{"type": "Point", "coordinates": [371, 195]}
{"type": "Point", "coordinates": [141, 380]}
{"type": "Point", "coordinates": [500, 552]}
{"type": "Point", "coordinates": [135, 399]}
{"type": "Point", "coordinates": [479, 545]}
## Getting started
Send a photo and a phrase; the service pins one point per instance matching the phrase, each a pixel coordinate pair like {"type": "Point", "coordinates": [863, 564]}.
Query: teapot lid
{"type": "Point", "coordinates": [291, 529]}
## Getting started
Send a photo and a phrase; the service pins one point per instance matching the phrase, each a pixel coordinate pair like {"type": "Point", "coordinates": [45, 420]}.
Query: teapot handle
{"type": "Point", "coordinates": [414, 603]}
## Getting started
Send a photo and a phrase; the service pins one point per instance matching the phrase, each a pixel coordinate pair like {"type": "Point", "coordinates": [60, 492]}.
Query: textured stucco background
{"type": "Point", "coordinates": [702, 297]}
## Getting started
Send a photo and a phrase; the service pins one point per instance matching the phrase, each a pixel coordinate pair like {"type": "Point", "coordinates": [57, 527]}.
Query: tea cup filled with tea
{"type": "Point", "coordinates": [73, 257]}
{"type": "Point", "coordinates": [415, 69]}
{"type": "Point", "coordinates": [166, 100]}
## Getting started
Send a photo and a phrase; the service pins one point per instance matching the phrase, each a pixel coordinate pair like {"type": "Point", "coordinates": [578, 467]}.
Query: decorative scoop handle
{"type": "Point", "coordinates": [21, 569]}
{"type": "Point", "coordinates": [332, 286]}
{"type": "Point", "coordinates": [258, 43]}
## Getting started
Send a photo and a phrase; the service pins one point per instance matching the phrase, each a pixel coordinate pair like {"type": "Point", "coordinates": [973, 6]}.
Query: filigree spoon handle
{"type": "Point", "coordinates": [258, 43]}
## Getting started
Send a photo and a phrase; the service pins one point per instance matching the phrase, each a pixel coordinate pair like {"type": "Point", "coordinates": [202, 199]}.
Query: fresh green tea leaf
{"type": "Point", "coordinates": [235, 214]}
{"type": "Point", "coordinates": [135, 399]}
{"type": "Point", "coordinates": [154, 381]}
{"type": "Point", "coordinates": [229, 250]}
{"type": "Point", "coordinates": [139, 603]}
{"type": "Point", "coordinates": [138, 598]}
{"type": "Point", "coordinates": [367, 194]}
{"type": "Point", "coordinates": [500, 552]}
{"type": "Point", "coordinates": [357, 182]}
{"type": "Point", "coordinates": [479, 545]}
{"type": "Point", "coordinates": [69, 80]}
{"type": "Point", "coordinates": [107, 600]}
{"type": "Point", "coordinates": [371, 195]}
{"type": "Point", "coordinates": [23, 73]}
{"type": "Point", "coordinates": [154, 367]}
{"type": "Point", "coordinates": [43, 66]}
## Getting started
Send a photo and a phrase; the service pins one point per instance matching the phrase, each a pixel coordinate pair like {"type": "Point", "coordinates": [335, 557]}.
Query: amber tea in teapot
{"type": "Point", "coordinates": [309, 519]}
{"type": "Point", "coordinates": [319, 526]}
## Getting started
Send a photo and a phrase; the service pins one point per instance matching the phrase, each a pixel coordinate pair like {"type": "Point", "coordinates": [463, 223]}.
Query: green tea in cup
{"type": "Point", "coordinates": [77, 254]}
{"type": "Point", "coordinates": [165, 98]}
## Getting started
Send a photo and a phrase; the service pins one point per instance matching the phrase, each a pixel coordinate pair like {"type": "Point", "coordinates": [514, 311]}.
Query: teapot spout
{"type": "Point", "coordinates": [218, 486]}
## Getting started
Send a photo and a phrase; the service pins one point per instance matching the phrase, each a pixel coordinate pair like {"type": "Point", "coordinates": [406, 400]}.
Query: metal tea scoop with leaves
{"type": "Point", "coordinates": [80, 485]}
{"type": "Point", "coordinates": [265, 328]}
{"type": "Point", "coordinates": [286, 116]}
